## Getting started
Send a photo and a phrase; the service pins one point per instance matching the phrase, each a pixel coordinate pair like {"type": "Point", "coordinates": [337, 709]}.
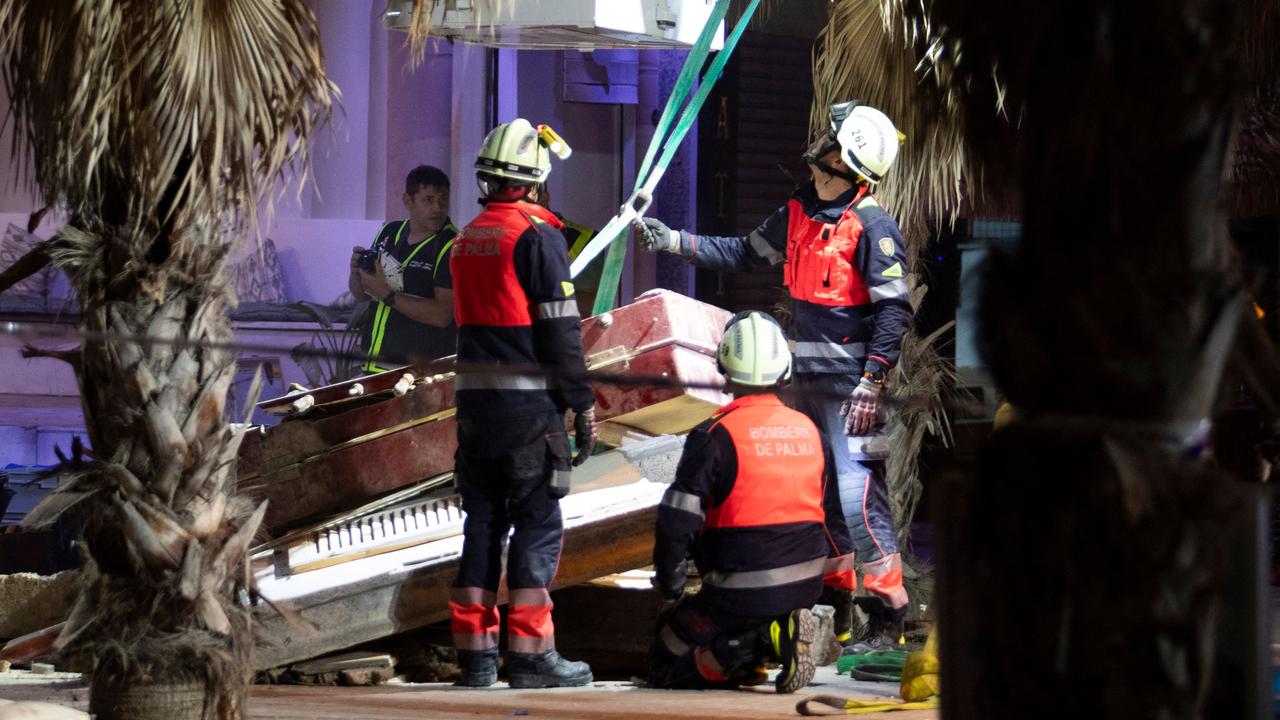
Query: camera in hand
{"type": "Point", "coordinates": [367, 260]}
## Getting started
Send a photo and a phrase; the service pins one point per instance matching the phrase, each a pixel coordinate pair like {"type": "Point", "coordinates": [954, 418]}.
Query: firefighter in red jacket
{"type": "Point", "coordinates": [748, 503]}
{"type": "Point", "coordinates": [845, 267]}
{"type": "Point", "coordinates": [514, 306]}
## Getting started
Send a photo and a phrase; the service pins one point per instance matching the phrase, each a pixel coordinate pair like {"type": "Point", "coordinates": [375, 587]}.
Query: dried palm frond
{"type": "Point", "coordinates": [154, 114]}
{"type": "Point", "coordinates": [1261, 41]}
{"type": "Point", "coordinates": [1254, 182]}
{"type": "Point", "coordinates": [922, 372]}
{"type": "Point", "coordinates": [484, 12]}
{"type": "Point", "coordinates": [870, 50]}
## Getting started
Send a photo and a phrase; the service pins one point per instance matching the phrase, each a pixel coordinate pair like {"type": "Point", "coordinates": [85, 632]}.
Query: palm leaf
{"type": "Point", "coordinates": [484, 12]}
{"type": "Point", "coordinates": [156, 114]}
{"type": "Point", "coordinates": [872, 51]}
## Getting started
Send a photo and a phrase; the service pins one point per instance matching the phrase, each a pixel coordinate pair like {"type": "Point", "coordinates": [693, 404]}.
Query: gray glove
{"type": "Point", "coordinates": [655, 236]}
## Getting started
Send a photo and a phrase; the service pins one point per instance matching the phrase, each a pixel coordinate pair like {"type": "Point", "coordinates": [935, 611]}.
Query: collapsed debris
{"type": "Point", "coordinates": [365, 525]}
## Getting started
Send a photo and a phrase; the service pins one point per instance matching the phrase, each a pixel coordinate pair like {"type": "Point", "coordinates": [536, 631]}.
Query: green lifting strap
{"type": "Point", "coordinates": [684, 84]}
{"type": "Point", "coordinates": [650, 172]}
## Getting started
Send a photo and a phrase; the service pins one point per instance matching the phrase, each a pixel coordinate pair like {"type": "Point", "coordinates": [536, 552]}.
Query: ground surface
{"type": "Point", "coordinates": [391, 702]}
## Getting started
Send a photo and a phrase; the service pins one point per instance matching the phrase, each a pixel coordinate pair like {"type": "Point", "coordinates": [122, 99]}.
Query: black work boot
{"type": "Point", "coordinates": [750, 675]}
{"type": "Point", "coordinates": [479, 668]}
{"type": "Point", "coordinates": [790, 638]}
{"type": "Point", "coordinates": [883, 630]}
{"type": "Point", "coordinates": [746, 654]}
{"type": "Point", "coordinates": [841, 601]}
{"type": "Point", "coordinates": [544, 670]}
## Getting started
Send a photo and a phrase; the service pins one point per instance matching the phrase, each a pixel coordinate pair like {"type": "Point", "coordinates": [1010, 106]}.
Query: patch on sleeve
{"type": "Point", "coordinates": [893, 271]}
{"type": "Point", "coordinates": [886, 246]}
{"type": "Point", "coordinates": [567, 287]}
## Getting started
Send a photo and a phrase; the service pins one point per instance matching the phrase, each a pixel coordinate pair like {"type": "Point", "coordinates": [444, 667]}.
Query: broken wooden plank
{"type": "Point", "coordinates": [33, 645]}
{"type": "Point", "coordinates": [346, 661]}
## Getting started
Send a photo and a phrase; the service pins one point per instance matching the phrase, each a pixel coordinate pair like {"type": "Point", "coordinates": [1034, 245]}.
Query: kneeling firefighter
{"type": "Point", "coordinates": [846, 272]}
{"type": "Point", "coordinates": [749, 502]}
{"type": "Point", "coordinates": [514, 307]}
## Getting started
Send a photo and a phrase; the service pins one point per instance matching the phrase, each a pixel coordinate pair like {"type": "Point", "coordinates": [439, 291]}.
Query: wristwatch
{"type": "Point", "coordinates": [390, 299]}
{"type": "Point", "coordinates": [877, 374]}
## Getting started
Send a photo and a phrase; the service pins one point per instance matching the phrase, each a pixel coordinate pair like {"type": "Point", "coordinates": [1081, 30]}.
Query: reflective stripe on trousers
{"type": "Point", "coordinates": [708, 666]}
{"type": "Point", "coordinates": [529, 626]}
{"type": "Point", "coordinates": [838, 573]}
{"type": "Point", "coordinates": [672, 642]}
{"type": "Point", "coordinates": [883, 578]}
{"type": "Point", "coordinates": [860, 479]}
{"type": "Point", "coordinates": [473, 618]}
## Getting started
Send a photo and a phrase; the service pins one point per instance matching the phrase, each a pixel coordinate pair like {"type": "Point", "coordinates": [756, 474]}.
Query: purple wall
{"type": "Point", "coordinates": [392, 119]}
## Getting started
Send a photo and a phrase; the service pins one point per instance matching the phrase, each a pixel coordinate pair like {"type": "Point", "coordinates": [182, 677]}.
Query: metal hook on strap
{"type": "Point", "coordinates": [638, 203]}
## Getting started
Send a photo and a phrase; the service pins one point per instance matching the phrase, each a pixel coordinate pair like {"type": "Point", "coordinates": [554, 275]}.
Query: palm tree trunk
{"type": "Point", "coordinates": [1082, 567]}
{"type": "Point", "coordinates": [160, 128]}
{"type": "Point", "coordinates": [166, 572]}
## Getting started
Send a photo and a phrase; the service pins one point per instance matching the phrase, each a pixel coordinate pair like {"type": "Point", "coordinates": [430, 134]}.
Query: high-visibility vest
{"type": "Point", "coordinates": [819, 263]}
{"type": "Point", "coordinates": [780, 466]}
{"type": "Point", "coordinates": [486, 290]}
{"type": "Point", "coordinates": [381, 313]}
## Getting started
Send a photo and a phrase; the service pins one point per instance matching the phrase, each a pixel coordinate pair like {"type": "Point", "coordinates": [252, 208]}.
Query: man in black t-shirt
{"type": "Point", "coordinates": [411, 315]}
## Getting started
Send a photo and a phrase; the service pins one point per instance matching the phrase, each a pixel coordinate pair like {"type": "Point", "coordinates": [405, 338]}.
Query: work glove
{"type": "Point", "coordinates": [655, 236]}
{"type": "Point", "coordinates": [584, 435]}
{"type": "Point", "coordinates": [671, 596]}
{"type": "Point", "coordinates": [860, 409]}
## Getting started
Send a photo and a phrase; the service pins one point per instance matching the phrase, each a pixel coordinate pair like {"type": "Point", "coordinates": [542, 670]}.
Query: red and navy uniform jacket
{"type": "Point", "coordinates": [749, 501]}
{"type": "Point", "coordinates": [513, 303]}
{"type": "Point", "coordinates": [845, 268]}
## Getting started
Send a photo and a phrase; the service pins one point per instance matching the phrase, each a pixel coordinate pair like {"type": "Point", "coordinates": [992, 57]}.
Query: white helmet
{"type": "Point", "coordinates": [868, 142]}
{"type": "Point", "coordinates": [753, 351]}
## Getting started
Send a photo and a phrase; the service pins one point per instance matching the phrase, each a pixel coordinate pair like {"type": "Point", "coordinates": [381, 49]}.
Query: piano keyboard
{"type": "Point", "coordinates": [400, 526]}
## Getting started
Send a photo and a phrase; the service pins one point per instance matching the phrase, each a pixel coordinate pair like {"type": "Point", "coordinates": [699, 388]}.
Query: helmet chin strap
{"type": "Point", "coordinates": [853, 178]}
{"type": "Point", "coordinates": [814, 158]}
